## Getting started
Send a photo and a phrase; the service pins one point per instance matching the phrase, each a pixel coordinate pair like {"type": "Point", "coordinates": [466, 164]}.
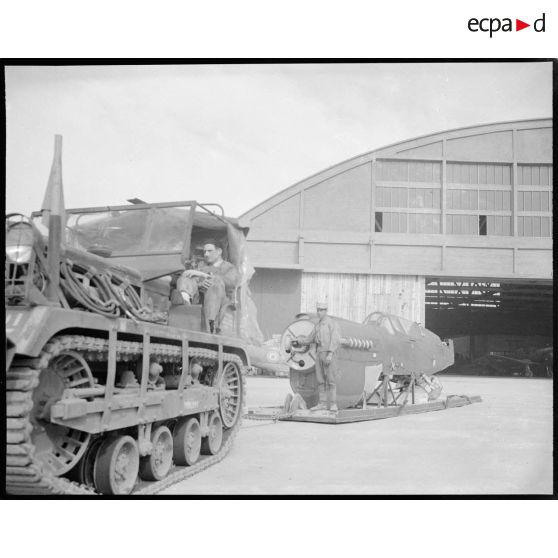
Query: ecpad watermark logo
{"type": "Point", "coordinates": [495, 24]}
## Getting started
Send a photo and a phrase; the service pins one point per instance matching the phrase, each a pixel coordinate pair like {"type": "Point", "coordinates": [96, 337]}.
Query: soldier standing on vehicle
{"type": "Point", "coordinates": [327, 337]}
{"type": "Point", "coordinates": [216, 279]}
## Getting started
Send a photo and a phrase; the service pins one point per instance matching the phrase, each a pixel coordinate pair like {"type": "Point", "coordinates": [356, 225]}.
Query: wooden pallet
{"type": "Point", "coordinates": [375, 413]}
{"type": "Point", "coordinates": [370, 413]}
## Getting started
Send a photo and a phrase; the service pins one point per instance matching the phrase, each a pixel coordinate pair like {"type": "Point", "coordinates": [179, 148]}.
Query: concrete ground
{"type": "Point", "coordinates": [500, 446]}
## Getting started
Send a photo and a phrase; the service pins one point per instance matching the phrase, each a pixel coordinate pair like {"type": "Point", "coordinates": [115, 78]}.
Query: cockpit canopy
{"type": "Point", "coordinates": [394, 324]}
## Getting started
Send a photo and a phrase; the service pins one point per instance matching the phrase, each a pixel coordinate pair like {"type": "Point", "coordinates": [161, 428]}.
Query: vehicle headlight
{"type": "Point", "coordinates": [19, 243]}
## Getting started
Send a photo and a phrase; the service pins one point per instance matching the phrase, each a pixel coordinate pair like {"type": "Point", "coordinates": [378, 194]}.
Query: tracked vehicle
{"type": "Point", "coordinates": [110, 387]}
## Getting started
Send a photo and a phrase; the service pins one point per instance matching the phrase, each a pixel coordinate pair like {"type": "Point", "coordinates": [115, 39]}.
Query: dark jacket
{"type": "Point", "coordinates": [226, 271]}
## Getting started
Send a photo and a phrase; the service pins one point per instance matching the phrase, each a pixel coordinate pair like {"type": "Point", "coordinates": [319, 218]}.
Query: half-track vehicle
{"type": "Point", "coordinates": [110, 387]}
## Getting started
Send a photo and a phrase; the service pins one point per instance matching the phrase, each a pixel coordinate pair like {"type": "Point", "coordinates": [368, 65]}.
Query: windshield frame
{"type": "Point", "coordinates": [143, 246]}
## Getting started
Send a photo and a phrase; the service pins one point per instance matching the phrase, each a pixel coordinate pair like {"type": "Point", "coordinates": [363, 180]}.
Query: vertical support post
{"type": "Point", "coordinates": [185, 366]}
{"type": "Point", "coordinates": [53, 206]}
{"type": "Point", "coordinates": [385, 386]}
{"type": "Point", "coordinates": [514, 177]}
{"type": "Point", "coordinates": [220, 358]}
{"type": "Point", "coordinates": [372, 212]}
{"type": "Point", "coordinates": [219, 369]}
{"type": "Point", "coordinates": [301, 239]}
{"type": "Point", "coordinates": [301, 250]}
{"type": "Point", "coordinates": [53, 259]}
{"type": "Point", "coordinates": [443, 191]}
{"type": "Point", "coordinates": [301, 228]}
{"type": "Point", "coordinates": [111, 377]}
{"type": "Point", "coordinates": [144, 375]}
{"type": "Point", "coordinates": [187, 239]}
{"type": "Point", "coordinates": [408, 390]}
{"type": "Point", "coordinates": [239, 299]}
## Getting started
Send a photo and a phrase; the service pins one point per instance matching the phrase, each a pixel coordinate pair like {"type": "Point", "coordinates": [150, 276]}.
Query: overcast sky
{"type": "Point", "coordinates": [236, 135]}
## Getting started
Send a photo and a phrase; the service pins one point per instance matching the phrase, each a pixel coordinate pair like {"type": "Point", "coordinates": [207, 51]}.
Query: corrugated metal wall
{"type": "Point", "coordinates": [354, 296]}
{"type": "Point", "coordinates": [481, 206]}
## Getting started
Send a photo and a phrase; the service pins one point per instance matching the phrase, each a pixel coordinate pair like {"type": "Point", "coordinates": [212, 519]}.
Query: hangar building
{"type": "Point", "coordinates": [452, 230]}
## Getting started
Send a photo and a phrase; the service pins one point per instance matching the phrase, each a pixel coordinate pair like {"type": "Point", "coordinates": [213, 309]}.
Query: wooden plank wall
{"type": "Point", "coordinates": [354, 296]}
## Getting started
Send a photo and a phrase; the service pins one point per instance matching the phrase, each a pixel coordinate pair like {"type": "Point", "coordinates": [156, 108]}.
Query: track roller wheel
{"type": "Point", "coordinates": [58, 448]}
{"type": "Point", "coordinates": [230, 394]}
{"type": "Point", "coordinates": [116, 466]}
{"type": "Point", "coordinates": [212, 443]}
{"type": "Point", "coordinates": [157, 465]}
{"type": "Point", "coordinates": [187, 441]}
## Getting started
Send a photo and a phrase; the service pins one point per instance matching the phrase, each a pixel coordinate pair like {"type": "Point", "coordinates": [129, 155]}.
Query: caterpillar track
{"type": "Point", "coordinates": [26, 473]}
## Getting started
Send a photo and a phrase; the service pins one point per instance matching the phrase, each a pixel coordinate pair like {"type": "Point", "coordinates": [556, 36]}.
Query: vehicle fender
{"type": "Point", "coordinates": [29, 329]}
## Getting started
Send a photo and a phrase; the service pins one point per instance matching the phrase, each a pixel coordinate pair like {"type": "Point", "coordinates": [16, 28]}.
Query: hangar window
{"type": "Point", "coordinates": [533, 226]}
{"type": "Point", "coordinates": [393, 170]}
{"type": "Point", "coordinates": [462, 199]}
{"type": "Point", "coordinates": [391, 197]}
{"type": "Point", "coordinates": [462, 224]}
{"type": "Point", "coordinates": [497, 225]}
{"type": "Point", "coordinates": [408, 171]}
{"type": "Point", "coordinates": [393, 222]}
{"type": "Point", "coordinates": [534, 175]}
{"type": "Point", "coordinates": [424, 171]}
{"type": "Point", "coordinates": [380, 196]}
{"type": "Point", "coordinates": [428, 198]}
{"type": "Point", "coordinates": [497, 200]}
{"type": "Point", "coordinates": [533, 201]}
{"type": "Point", "coordinates": [424, 197]}
{"type": "Point", "coordinates": [426, 223]}
{"type": "Point", "coordinates": [378, 221]}
{"type": "Point", "coordinates": [478, 173]}
{"type": "Point", "coordinates": [482, 225]}
{"type": "Point", "coordinates": [462, 173]}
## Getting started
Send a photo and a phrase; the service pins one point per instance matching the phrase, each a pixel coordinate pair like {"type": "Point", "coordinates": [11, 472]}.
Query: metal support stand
{"type": "Point", "coordinates": [111, 377]}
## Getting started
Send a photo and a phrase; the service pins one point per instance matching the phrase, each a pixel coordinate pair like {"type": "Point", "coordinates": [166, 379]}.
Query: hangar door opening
{"type": "Point", "coordinates": [276, 293]}
{"type": "Point", "coordinates": [490, 316]}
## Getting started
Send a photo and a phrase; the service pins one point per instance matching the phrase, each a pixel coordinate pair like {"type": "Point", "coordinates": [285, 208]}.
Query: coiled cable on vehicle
{"type": "Point", "coordinates": [88, 289]}
{"type": "Point", "coordinates": [128, 299]}
{"type": "Point", "coordinates": [104, 293]}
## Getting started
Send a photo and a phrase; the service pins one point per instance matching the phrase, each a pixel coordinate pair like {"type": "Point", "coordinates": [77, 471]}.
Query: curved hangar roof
{"type": "Point", "coordinates": [336, 206]}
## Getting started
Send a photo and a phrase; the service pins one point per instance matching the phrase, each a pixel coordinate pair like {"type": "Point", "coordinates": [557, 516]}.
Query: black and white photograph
{"type": "Point", "coordinates": [282, 278]}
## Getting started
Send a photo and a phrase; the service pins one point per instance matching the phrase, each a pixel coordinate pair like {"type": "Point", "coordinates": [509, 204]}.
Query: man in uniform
{"type": "Point", "coordinates": [327, 337]}
{"type": "Point", "coordinates": [215, 278]}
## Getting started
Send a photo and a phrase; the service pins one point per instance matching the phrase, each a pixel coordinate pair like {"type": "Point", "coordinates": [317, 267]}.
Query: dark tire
{"type": "Point", "coordinates": [211, 444]}
{"type": "Point", "coordinates": [187, 441]}
{"type": "Point", "coordinates": [83, 471]}
{"type": "Point", "coordinates": [116, 466]}
{"type": "Point", "coordinates": [157, 465]}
